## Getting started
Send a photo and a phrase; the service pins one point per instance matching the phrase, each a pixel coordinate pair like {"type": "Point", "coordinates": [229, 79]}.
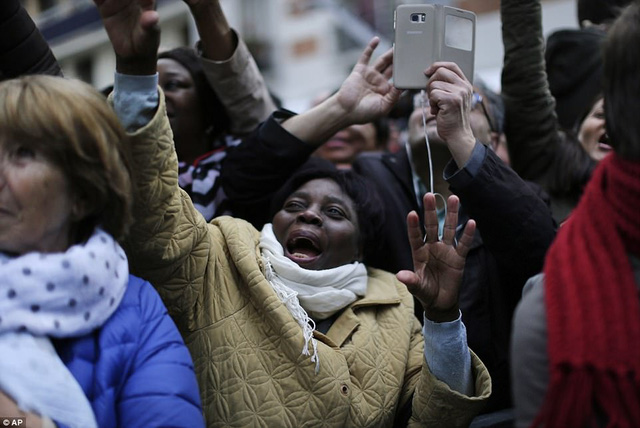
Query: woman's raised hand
{"type": "Point", "coordinates": [367, 94]}
{"type": "Point", "coordinates": [438, 264]}
{"type": "Point", "coordinates": [364, 96]}
{"type": "Point", "coordinates": [132, 28]}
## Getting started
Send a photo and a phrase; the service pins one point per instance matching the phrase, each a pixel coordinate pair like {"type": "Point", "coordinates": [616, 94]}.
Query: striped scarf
{"type": "Point", "coordinates": [201, 181]}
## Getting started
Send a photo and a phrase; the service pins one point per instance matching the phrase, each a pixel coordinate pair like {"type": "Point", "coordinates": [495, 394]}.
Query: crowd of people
{"type": "Point", "coordinates": [177, 250]}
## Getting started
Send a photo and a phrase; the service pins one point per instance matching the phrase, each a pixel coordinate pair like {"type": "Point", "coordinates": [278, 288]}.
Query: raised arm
{"type": "Point", "coordinates": [531, 125]}
{"type": "Point", "coordinates": [435, 282]}
{"type": "Point", "coordinates": [365, 95]}
{"type": "Point", "coordinates": [263, 162]}
{"type": "Point", "coordinates": [516, 227]}
{"type": "Point", "coordinates": [167, 229]}
{"type": "Point", "coordinates": [23, 50]}
{"type": "Point", "coordinates": [217, 40]}
{"type": "Point", "coordinates": [230, 69]}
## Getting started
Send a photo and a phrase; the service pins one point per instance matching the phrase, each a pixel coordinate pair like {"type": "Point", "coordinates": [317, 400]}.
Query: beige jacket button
{"type": "Point", "coordinates": [344, 389]}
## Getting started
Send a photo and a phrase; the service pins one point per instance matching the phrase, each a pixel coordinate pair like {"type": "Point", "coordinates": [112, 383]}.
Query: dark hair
{"type": "Point", "coordinates": [572, 169]}
{"type": "Point", "coordinates": [622, 85]}
{"type": "Point", "coordinates": [600, 11]}
{"type": "Point", "coordinates": [214, 112]}
{"type": "Point", "coordinates": [362, 192]}
{"type": "Point", "coordinates": [585, 112]}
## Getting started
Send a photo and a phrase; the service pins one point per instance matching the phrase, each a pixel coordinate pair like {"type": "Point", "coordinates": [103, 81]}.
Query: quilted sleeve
{"type": "Point", "coordinates": [168, 244]}
{"type": "Point", "coordinates": [434, 403]}
{"type": "Point", "coordinates": [160, 389]}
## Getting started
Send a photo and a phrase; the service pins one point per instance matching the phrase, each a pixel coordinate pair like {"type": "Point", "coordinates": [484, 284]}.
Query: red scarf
{"type": "Point", "coordinates": [593, 311]}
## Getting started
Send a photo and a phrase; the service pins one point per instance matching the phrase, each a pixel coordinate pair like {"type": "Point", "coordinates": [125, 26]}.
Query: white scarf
{"type": "Point", "coordinates": [319, 293]}
{"type": "Point", "coordinates": [60, 295]}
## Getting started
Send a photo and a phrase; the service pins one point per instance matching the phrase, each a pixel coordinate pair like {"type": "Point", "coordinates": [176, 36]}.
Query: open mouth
{"type": "Point", "coordinates": [604, 147]}
{"type": "Point", "coordinates": [603, 143]}
{"type": "Point", "coordinates": [302, 250]}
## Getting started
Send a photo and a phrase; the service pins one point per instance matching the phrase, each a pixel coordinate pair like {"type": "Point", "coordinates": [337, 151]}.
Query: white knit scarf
{"type": "Point", "coordinates": [318, 293]}
{"type": "Point", "coordinates": [60, 295]}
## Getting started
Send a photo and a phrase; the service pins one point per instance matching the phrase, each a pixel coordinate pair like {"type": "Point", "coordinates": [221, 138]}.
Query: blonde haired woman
{"type": "Point", "coordinates": [84, 343]}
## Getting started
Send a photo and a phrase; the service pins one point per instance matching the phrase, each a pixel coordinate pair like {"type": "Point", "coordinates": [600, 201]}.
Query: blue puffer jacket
{"type": "Point", "coordinates": [136, 370]}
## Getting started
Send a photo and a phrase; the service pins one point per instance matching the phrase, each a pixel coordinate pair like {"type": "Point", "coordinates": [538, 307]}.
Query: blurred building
{"type": "Point", "coordinates": [303, 47]}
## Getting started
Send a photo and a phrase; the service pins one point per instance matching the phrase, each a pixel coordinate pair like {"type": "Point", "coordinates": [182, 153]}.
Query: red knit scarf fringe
{"type": "Point", "coordinates": [593, 310]}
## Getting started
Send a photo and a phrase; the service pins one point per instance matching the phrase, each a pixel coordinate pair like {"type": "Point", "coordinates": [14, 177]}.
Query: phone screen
{"type": "Point", "coordinates": [458, 32]}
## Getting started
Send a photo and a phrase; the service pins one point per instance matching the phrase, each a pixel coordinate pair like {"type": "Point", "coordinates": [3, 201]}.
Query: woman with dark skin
{"type": "Point", "coordinates": [247, 300]}
{"type": "Point", "coordinates": [192, 120]}
{"type": "Point", "coordinates": [214, 96]}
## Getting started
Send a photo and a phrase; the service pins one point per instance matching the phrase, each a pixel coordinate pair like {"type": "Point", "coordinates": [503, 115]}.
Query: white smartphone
{"type": "Point", "coordinates": [426, 33]}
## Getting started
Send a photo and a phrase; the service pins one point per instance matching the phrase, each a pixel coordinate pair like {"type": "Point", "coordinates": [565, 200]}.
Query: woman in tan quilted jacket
{"type": "Point", "coordinates": [285, 325]}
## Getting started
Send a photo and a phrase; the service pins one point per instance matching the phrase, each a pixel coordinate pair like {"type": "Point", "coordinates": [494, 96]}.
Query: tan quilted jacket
{"type": "Point", "coordinates": [245, 344]}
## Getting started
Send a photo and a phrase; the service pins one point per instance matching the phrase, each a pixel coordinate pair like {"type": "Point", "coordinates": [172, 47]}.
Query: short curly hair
{"type": "Point", "coordinates": [71, 124]}
{"type": "Point", "coordinates": [362, 192]}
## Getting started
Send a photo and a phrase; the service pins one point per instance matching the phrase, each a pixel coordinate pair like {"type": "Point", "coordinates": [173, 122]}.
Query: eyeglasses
{"type": "Point", "coordinates": [476, 101]}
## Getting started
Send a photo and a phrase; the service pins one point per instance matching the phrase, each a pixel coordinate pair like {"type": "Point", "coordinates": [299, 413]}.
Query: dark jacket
{"type": "Point", "coordinates": [515, 224]}
{"type": "Point", "coordinates": [23, 50]}
{"type": "Point", "coordinates": [136, 370]}
{"type": "Point", "coordinates": [537, 148]}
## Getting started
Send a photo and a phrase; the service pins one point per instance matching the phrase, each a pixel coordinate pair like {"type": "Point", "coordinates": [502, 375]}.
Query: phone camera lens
{"type": "Point", "coordinates": [414, 17]}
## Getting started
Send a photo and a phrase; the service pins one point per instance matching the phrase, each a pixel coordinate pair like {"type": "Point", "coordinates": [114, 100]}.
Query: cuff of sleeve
{"type": "Point", "coordinates": [135, 99]}
{"type": "Point", "coordinates": [233, 65]}
{"type": "Point", "coordinates": [279, 139]}
{"type": "Point", "coordinates": [438, 333]}
{"type": "Point", "coordinates": [135, 84]}
{"type": "Point", "coordinates": [433, 328]}
{"type": "Point", "coordinates": [447, 354]}
{"type": "Point", "coordinates": [461, 177]}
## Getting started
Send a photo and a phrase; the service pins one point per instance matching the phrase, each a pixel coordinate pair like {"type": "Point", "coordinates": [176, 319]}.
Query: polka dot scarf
{"type": "Point", "coordinates": [63, 294]}
{"type": "Point", "coordinates": [55, 295]}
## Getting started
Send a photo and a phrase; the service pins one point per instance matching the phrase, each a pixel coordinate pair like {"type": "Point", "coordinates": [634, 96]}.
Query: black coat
{"type": "Point", "coordinates": [23, 50]}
